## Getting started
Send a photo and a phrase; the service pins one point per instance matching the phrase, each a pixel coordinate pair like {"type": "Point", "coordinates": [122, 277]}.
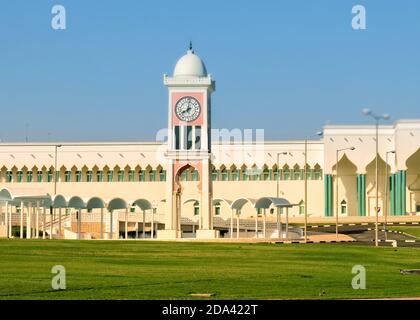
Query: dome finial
{"type": "Point", "coordinates": [191, 47]}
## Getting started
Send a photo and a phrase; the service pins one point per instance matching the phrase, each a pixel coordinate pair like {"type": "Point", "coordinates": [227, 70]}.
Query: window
{"type": "Point", "coordinates": [417, 207]}
{"type": "Point", "coordinates": [142, 175]}
{"type": "Point", "coordinates": [343, 207]}
{"type": "Point", "coordinates": [297, 174]}
{"type": "Point", "coordinates": [131, 175]}
{"type": "Point", "coordinates": [19, 176]}
{"type": "Point", "coordinates": [67, 176]}
{"type": "Point", "coordinates": [133, 209]}
{"type": "Point", "coordinates": [245, 175]}
{"type": "Point", "coordinates": [224, 175]}
{"type": "Point", "coordinates": [196, 209]}
{"type": "Point", "coordinates": [89, 176]}
{"type": "Point", "coordinates": [302, 207]}
{"type": "Point", "coordinates": [184, 176]}
{"type": "Point", "coordinates": [39, 176]}
{"type": "Point", "coordinates": [152, 175]}
{"type": "Point", "coordinates": [234, 174]}
{"type": "Point", "coordinates": [214, 175]}
{"type": "Point", "coordinates": [99, 176]}
{"type": "Point", "coordinates": [317, 174]}
{"type": "Point", "coordinates": [78, 176]}
{"type": "Point", "coordinates": [162, 175]}
{"type": "Point", "coordinates": [217, 210]}
{"type": "Point", "coordinates": [29, 176]}
{"type": "Point", "coordinates": [266, 175]}
{"type": "Point", "coordinates": [188, 137]}
{"type": "Point", "coordinates": [276, 174]}
{"type": "Point", "coordinates": [197, 142]}
{"type": "Point", "coordinates": [194, 175]}
{"type": "Point", "coordinates": [110, 175]}
{"type": "Point", "coordinates": [120, 175]}
{"type": "Point", "coordinates": [50, 176]}
{"type": "Point", "coordinates": [286, 174]}
{"type": "Point", "coordinates": [177, 138]}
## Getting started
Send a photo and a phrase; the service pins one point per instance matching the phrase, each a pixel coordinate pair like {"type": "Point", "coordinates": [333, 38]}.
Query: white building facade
{"type": "Point", "coordinates": [189, 177]}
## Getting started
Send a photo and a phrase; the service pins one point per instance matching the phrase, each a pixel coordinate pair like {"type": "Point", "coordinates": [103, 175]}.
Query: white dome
{"type": "Point", "coordinates": [190, 65]}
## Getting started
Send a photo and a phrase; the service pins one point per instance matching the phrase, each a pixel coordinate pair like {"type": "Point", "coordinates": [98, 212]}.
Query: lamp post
{"type": "Point", "coordinates": [386, 192]}
{"type": "Point", "coordinates": [377, 118]}
{"type": "Point", "coordinates": [336, 188]}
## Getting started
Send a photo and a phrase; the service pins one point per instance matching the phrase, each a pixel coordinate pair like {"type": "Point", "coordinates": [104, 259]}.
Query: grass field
{"type": "Point", "coordinates": [414, 231]}
{"type": "Point", "coordinates": [159, 270]}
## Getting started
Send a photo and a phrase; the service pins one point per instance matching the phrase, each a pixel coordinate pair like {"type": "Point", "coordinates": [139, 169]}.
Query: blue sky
{"type": "Point", "coordinates": [286, 66]}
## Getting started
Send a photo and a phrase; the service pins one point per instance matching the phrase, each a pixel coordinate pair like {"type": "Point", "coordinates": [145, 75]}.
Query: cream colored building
{"type": "Point", "coordinates": [192, 179]}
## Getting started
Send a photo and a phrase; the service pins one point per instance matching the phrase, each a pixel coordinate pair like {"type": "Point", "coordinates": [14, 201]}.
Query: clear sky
{"type": "Point", "coordinates": [286, 66]}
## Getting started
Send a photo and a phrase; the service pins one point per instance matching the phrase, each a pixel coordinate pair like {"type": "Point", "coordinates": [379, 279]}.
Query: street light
{"type": "Point", "coordinates": [377, 118]}
{"type": "Point", "coordinates": [336, 196]}
{"type": "Point", "coordinates": [386, 192]}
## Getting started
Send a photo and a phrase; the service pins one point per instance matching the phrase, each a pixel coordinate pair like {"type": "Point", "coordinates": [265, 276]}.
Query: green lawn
{"type": "Point", "coordinates": [414, 231]}
{"type": "Point", "coordinates": [159, 270]}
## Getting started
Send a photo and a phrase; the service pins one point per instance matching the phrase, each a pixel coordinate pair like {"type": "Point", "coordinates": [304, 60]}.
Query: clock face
{"type": "Point", "coordinates": [187, 109]}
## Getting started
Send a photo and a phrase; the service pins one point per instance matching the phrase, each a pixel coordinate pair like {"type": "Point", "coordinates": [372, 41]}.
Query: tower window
{"type": "Point", "coordinates": [78, 176]}
{"type": "Point", "coordinates": [29, 176]}
{"type": "Point", "coordinates": [196, 209]}
{"type": "Point", "coordinates": [188, 137]}
{"type": "Point", "coordinates": [67, 176]}
{"type": "Point", "coordinates": [39, 176]}
{"type": "Point", "coordinates": [197, 142]}
{"type": "Point", "coordinates": [99, 176]}
{"type": "Point", "coordinates": [217, 210]}
{"type": "Point", "coordinates": [177, 138]}
{"type": "Point", "coordinates": [19, 176]}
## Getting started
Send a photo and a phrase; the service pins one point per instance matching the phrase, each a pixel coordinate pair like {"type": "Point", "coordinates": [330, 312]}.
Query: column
{"type": "Point", "coordinates": [144, 225]}
{"type": "Point", "coordinates": [44, 222]}
{"type": "Point", "coordinates": [231, 224]}
{"type": "Point", "coordinates": [6, 218]}
{"type": "Point", "coordinates": [264, 225]}
{"type": "Point", "coordinates": [403, 192]}
{"type": "Point", "coordinates": [59, 223]}
{"type": "Point", "coordinates": [126, 223]}
{"type": "Point", "coordinates": [102, 223]}
{"type": "Point", "coordinates": [37, 220]}
{"type": "Point", "coordinates": [256, 224]}
{"type": "Point", "coordinates": [361, 194]}
{"type": "Point", "coordinates": [328, 195]}
{"type": "Point", "coordinates": [28, 221]}
{"type": "Point", "coordinates": [111, 236]}
{"type": "Point", "coordinates": [237, 225]}
{"type": "Point", "coordinates": [21, 220]}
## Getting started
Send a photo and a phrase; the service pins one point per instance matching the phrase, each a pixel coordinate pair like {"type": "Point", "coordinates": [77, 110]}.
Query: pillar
{"type": "Point", "coordinates": [144, 225]}
{"type": "Point", "coordinates": [328, 196]}
{"type": "Point", "coordinates": [111, 236]}
{"type": "Point", "coordinates": [237, 225]}
{"type": "Point", "coordinates": [102, 223]}
{"type": "Point", "coordinates": [28, 221]}
{"type": "Point", "coordinates": [126, 224]}
{"type": "Point", "coordinates": [44, 222]}
{"type": "Point", "coordinates": [37, 220]}
{"type": "Point", "coordinates": [59, 222]}
{"type": "Point", "coordinates": [403, 192]}
{"type": "Point", "coordinates": [361, 194]}
{"type": "Point", "coordinates": [264, 226]}
{"type": "Point", "coordinates": [392, 194]}
{"type": "Point", "coordinates": [6, 218]}
{"type": "Point", "coordinates": [231, 224]}
{"type": "Point", "coordinates": [21, 220]}
{"type": "Point", "coordinates": [256, 224]}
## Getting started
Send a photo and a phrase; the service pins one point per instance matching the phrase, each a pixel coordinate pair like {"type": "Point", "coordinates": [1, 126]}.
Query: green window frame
{"type": "Point", "coordinates": [9, 176]}
{"type": "Point", "coordinates": [131, 175]}
{"type": "Point", "coordinates": [245, 175]}
{"type": "Point", "coordinates": [152, 175]}
{"type": "Point", "coordinates": [266, 175]}
{"type": "Point", "coordinates": [49, 176]}
{"type": "Point", "coordinates": [67, 176]}
{"type": "Point", "coordinates": [234, 174]}
{"type": "Point", "coordinates": [214, 175]}
{"type": "Point", "coordinates": [184, 175]}
{"type": "Point", "coordinates": [162, 175]}
{"type": "Point", "coordinates": [89, 176]}
{"type": "Point", "coordinates": [177, 138]}
{"type": "Point", "coordinates": [343, 207]}
{"type": "Point", "coordinates": [78, 176]}
{"type": "Point", "coordinates": [196, 209]}
{"type": "Point", "coordinates": [19, 176]}
{"type": "Point", "coordinates": [120, 175]}
{"type": "Point", "coordinates": [286, 174]}
{"type": "Point", "coordinates": [217, 210]}
{"type": "Point", "coordinates": [29, 176]}
{"type": "Point", "coordinates": [224, 174]}
{"type": "Point", "coordinates": [142, 175]}
{"type": "Point", "coordinates": [39, 176]}
{"type": "Point", "coordinates": [110, 175]}
{"type": "Point", "coordinates": [99, 176]}
{"type": "Point", "coordinates": [194, 175]}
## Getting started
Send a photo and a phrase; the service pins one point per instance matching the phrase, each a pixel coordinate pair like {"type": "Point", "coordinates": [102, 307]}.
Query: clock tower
{"type": "Point", "coordinates": [189, 144]}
